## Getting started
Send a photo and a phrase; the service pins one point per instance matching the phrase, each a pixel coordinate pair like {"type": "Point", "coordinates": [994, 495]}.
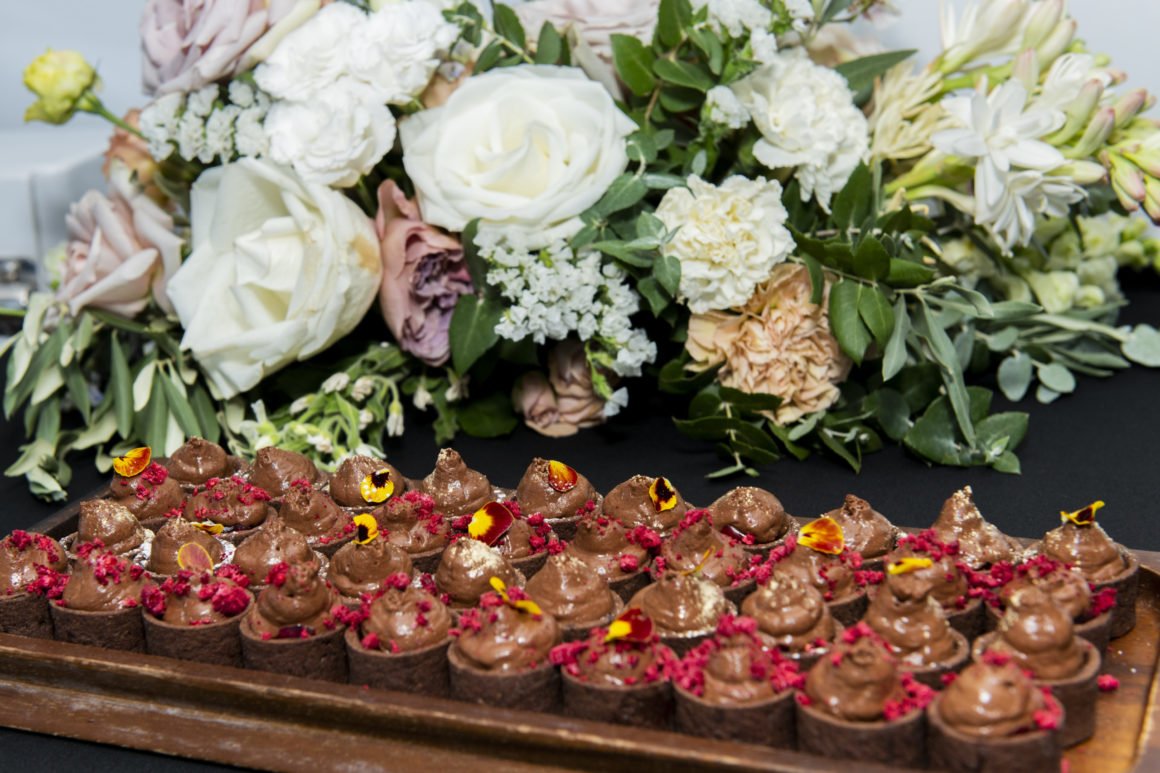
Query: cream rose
{"type": "Point", "coordinates": [526, 148]}
{"type": "Point", "coordinates": [280, 270]}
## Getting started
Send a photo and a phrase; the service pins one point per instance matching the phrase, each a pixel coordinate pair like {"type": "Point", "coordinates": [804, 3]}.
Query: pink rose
{"type": "Point", "coordinates": [563, 403]}
{"type": "Point", "coordinates": [424, 274]}
{"type": "Point", "coordinates": [189, 44]}
{"type": "Point", "coordinates": [122, 248]}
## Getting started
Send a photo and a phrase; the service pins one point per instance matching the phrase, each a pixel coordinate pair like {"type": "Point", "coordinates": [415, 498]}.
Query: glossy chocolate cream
{"type": "Point", "coordinates": [275, 469]}
{"type": "Point", "coordinates": [151, 494]}
{"type": "Point", "coordinates": [570, 591]}
{"type": "Point", "coordinates": [356, 569]}
{"type": "Point", "coordinates": [170, 538]}
{"type": "Point", "coordinates": [681, 603]}
{"type": "Point", "coordinates": [1039, 636]}
{"type": "Point", "coordinates": [456, 489]}
{"type": "Point", "coordinates": [855, 682]}
{"type": "Point", "coordinates": [20, 553]}
{"type": "Point", "coordinates": [1087, 548]}
{"type": "Point", "coordinates": [988, 700]}
{"type": "Point", "coordinates": [791, 614]}
{"type": "Point", "coordinates": [536, 494]}
{"type": "Point", "coordinates": [751, 511]}
{"type": "Point", "coordinates": [602, 543]}
{"type": "Point", "coordinates": [866, 530]}
{"type": "Point", "coordinates": [466, 569]}
{"type": "Point", "coordinates": [630, 502]}
{"type": "Point", "coordinates": [345, 484]}
{"type": "Point", "coordinates": [198, 460]}
{"type": "Point", "coordinates": [980, 542]}
{"type": "Point", "coordinates": [275, 543]}
{"type": "Point", "coordinates": [102, 581]}
{"type": "Point", "coordinates": [695, 543]}
{"type": "Point", "coordinates": [297, 599]}
{"type": "Point", "coordinates": [507, 640]}
{"type": "Point", "coordinates": [111, 523]}
{"type": "Point", "coordinates": [405, 621]}
{"type": "Point", "coordinates": [910, 620]}
{"type": "Point", "coordinates": [232, 502]}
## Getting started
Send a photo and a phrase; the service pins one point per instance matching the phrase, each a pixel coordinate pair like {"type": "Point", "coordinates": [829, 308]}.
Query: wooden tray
{"type": "Point", "coordinates": [273, 722]}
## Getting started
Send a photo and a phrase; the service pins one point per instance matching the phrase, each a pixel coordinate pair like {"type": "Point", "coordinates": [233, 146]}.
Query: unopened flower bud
{"type": "Point", "coordinates": [1146, 154]}
{"type": "Point", "coordinates": [1042, 20]}
{"type": "Point", "coordinates": [1056, 42]}
{"type": "Point", "coordinates": [1127, 181]}
{"type": "Point", "coordinates": [1025, 69]}
{"type": "Point", "coordinates": [1082, 172]}
{"type": "Point", "coordinates": [1129, 105]}
{"type": "Point", "coordinates": [1096, 134]}
{"type": "Point", "coordinates": [61, 81]}
{"type": "Point", "coordinates": [1152, 199]}
{"type": "Point", "coordinates": [1079, 111]}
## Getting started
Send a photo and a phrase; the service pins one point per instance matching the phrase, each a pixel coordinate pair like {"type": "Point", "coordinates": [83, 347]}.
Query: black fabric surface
{"type": "Point", "coordinates": [1099, 443]}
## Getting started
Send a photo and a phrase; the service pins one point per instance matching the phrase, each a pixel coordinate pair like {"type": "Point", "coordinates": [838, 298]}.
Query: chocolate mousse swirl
{"type": "Point", "coordinates": [1039, 636]}
{"type": "Point", "coordinates": [570, 591]}
{"type": "Point", "coordinates": [507, 640]}
{"type": "Point", "coordinates": [102, 581]}
{"type": "Point", "coordinates": [198, 460]}
{"type": "Point", "coordinates": [456, 489]}
{"type": "Point", "coordinates": [602, 543]}
{"type": "Point", "coordinates": [232, 502]}
{"type": "Point", "coordinates": [791, 614]}
{"type": "Point", "coordinates": [980, 542]}
{"type": "Point", "coordinates": [170, 538]}
{"type": "Point", "coordinates": [681, 603]}
{"type": "Point", "coordinates": [988, 700]}
{"type": "Point", "coordinates": [275, 469]}
{"type": "Point", "coordinates": [1066, 586]}
{"type": "Point", "coordinates": [536, 494]}
{"type": "Point", "coordinates": [275, 543]}
{"type": "Point", "coordinates": [315, 514]}
{"type": "Point", "coordinates": [112, 524]}
{"type": "Point", "coordinates": [150, 494]}
{"type": "Point", "coordinates": [823, 571]}
{"type": "Point", "coordinates": [411, 522]}
{"type": "Point", "coordinates": [866, 530]}
{"type": "Point", "coordinates": [356, 569]}
{"type": "Point", "coordinates": [406, 620]}
{"type": "Point", "coordinates": [198, 599]}
{"type": "Point", "coordinates": [631, 504]}
{"type": "Point", "coordinates": [345, 484]}
{"type": "Point", "coordinates": [20, 553]}
{"type": "Point", "coordinates": [1087, 548]}
{"type": "Point", "coordinates": [466, 569]}
{"type": "Point", "coordinates": [298, 597]}
{"type": "Point", "coordinates": [694, 543]}
{"type": "Point", "coordinates": [855, 682]}
{"type": "Point", "coordinates": [947, 582]}
{"type": "Point", "coordinates": [737, 673]}
{"type": "Point", "coordinates": [620, 663]}
{"type": "Point", "coordinates": [904, 614]}
{"type": "Point", "coordinates": [751, 511]}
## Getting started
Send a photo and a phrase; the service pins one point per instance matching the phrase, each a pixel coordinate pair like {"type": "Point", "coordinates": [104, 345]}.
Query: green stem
{"type": "Point", "coordinates": [97, 107]}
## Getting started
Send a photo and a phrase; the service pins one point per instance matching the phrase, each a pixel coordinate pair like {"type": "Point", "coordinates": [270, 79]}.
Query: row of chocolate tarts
{"type": "Point", "coordinates": [497, 627]}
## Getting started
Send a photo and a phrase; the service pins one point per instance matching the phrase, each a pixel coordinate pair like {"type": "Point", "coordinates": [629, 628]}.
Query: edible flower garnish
{"type": "Point", "coordinates": [133, 462]}
{"type": "Point", "coordinates": [1085, 516]}
{"type": "Point", "coordinates": [192, 557]}
{"type": "Point", "coordinates": [908, 565]}
{"type": "Point", "coordinates": [367, 529]}
{"type": "Point", "coordinates": [561, 477]}
{"type": "Point", "coordinates": [823, 535]}
{"type": "Point", "coordinates": [662, 494]}
{"type": "Point", "coordinates": [490, 522]}
{"type": "Point", "coordinates": [521, 604]}
{"type": "Point", "coordinates": [209, 527]}
{"type": "Point", "coordinates": [377, 487]}
{"type": "Point", "coordinates": [633, 625]}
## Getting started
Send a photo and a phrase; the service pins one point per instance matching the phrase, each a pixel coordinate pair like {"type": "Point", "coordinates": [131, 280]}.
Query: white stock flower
{"type": "Point", "coordinates": [723, 108]}
{"type": "Point", "coordinates": [280, 270]}
{"type": "Point", "coordinates": [807, 119]}
{"type": "Point", "coordinates": [398, 49]}
{"type": "Point", "coordinates": [728, 238]}
{"type": "Point", "coordinates": [1012, 210]}
{"type": "Point", "coordinates": [310, 59]}
{"type": "Point", "coordinates": [335, 383]}
{"type": "Point", "coordinates": [525, 148]}
{"type": "Point", "coordinates": [334, 138]}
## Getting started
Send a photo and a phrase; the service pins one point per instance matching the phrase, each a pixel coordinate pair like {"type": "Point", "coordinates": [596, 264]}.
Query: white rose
{"type": "Point", "coordinates": [729, 238]}
{"type": "Point", "coordinates": [807, 119]}
{"type": "Point", "coordinates": [310, 59]}
{"type": "Point", "coordinates": [333, 139]}
{"type": "Point", "coordinates": [399, 48]}
{"type": "Point", "coordinates": [280, 270]}
{"type": "Point", "coordinates": [524, 148]}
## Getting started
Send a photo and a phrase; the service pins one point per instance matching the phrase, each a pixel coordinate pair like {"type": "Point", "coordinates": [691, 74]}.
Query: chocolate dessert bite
{"type": "Point", "coordinates": [578, 597]}
{"type": "Point", "coordinates": [1039, 637]}
{"type": "Point", "coordinates": [362, 483]}
{"type": "Point", "coordinates": [272, 544]}
{"type": "Point", "coordinates": [525, 542]}
{"type": "Point", "coordinates": [295, 627]}
{"type": "Point", "coordinates": [980, 543]}
{"type": "Point", "coordinates": [466, 568]}
{"type": "Point", "coordinates": [818, 557]}
{"type": "Point", "coordinates": [993, 717]}
{"type": "Point", "coordinates": [145, 488]}
{"type": "Point", "coordinates": [616, 553]}
{"type": "Point", "coordinates": [650, 502]}
{"type": "Point", "coordinates": [363, 565]}
{"type": "Point", "coordinates": [867, 532]}
{"type": "Point", "coordinates": [100, 605]}
{"type": "Point", "coordinates": [236, 505]}
{"type": "Point", "coordinates": [163, 557]}
{"type": "Point", "coordinates": [456, 489]}
{"type": "Point", "coordinates": [399, 638]}
{"type": "Point", "coordinates": [732, 688]}
{"type": "Point", "coordinates": [684, 608]}
{"type": "Point", "coordinates": [327, 526]}
{"type": "Point", "coordinates": [792, 617]}
{"type": "Point", "coordinates": [619, 673]}
{"type": "Point", "coordinates": [501, 655]}
{"type": "Point", "coordinates": [558, 493]}
{"type": "Point", "coordinates": [948, 579]}
{"type": "Point", "coordinates": [198, 460]}
{"type": "Point", "coordinates": [31, 567]}
{"type": "Point", "coordinates": [411, 522]}
{"type": "Point", "coordinates": [753, 516]}
{"type": "Point", "coordinates": [695, 545]}
{"type": "Point", "coordinates": [113, 525]}
{"type": "Point", "coordinates": [276, 469]}
{"type": "Point", "coordinates": [858, 705]}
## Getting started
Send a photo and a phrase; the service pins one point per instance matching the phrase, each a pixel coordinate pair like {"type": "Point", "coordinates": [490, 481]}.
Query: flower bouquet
{"type": "Point", "coordinates": [326, 209]}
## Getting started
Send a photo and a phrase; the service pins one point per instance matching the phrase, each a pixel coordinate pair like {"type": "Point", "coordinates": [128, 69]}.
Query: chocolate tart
{"type": "Point", "coordinates": [614, 552]}
{"type": "Point", "coordinates": [694, 545]}
{"type": "Point", "coordinates": [198, 460]}
{"type": "Point", "coordinates": [29, 565]}
{"type": "Point", "coordinates": [866, 531]}
{"type": "Point", "coordinates": [792, 617]}
{"type": "Point", "coordinates": [754, 517]}
{"type": "Point", "coordinates": [238, 506]}
{"type": "Point", "coordinates": [558, 493]}
{"type": "Point", "coordinates": [192, 628]}
{"type": "Point", "coordinates": [114, 526]}
{"type": "Point", "coordinates": [100, 605]}
{"type": "Point", "coordinates": [456, 489]}
{"type": "Point", "coordinates": [175, 533]}
{"type": "Point", "coordinates": [346, 484]}
{"type": "Point", "coordinates": [949, 583]}
{"type": "Point", "coordinates": [577, 597]}
{"type": "Point", "coordinates": [410, 521]}
{"type": "Point", "coordinates": [275, 470]}
{"type": "Point", "coordinates": [152, 496]}
{"type": "Point", "coordinates": [465, 571]}
{"type": "Point", "coordinates": [359, 569]}
{"type": "Point", "coordinates": [644, 501]}
{"type": "Point", "coordinates": [684, 609]}
{"type": "Point", "coordinates": [980, 542]}
{"type": "Point", "coordinates": [831, 574]}
{"type": "Point", "coordinates": [326, 526]}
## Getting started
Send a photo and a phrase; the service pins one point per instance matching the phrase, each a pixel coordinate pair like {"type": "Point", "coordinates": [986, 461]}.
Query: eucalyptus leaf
{"type": "Point", "coordinates": [78, 392]}
{"type": "Point", "coordinates": [179, 404]}
{"type": "Point", "coordinates": [98, 432]}
{"type": "Point", "coordinates": [667, 270]}
{"type": "Point", "coordinates": [876, 312]}
{"type": "Point", "coordinates": [624, 192]}
{"type": "Point", "coordinates": [894, 357]}
{"type": "Point", "coordinates": [1014, 376]}
{"type": "Point", "coordinates": [206, 414]}
{"type": "Point", "coordinates": [1011, 425]}
{"type": "Point", "coordinates": [50, 381]}
{"type": "Point", "coordinates": [1056, 377]}
{"type": "Point", "coordinates": [1003, 340]}
{"type": "Point", "coordinates": [933, 435]}
{"type": "Point", "coordinates": [120, 387]}
{"type": "Point", "coordinates": [1008, 463]}
{"type": "Point", "coordinates": [1045, 395]}
{"type": "Point", "coordinates": [892, 412]}
{"type": "Point", "coordinates": [143, 384]}
{"type": "Point", "coordinates": [1143, 346]}
{"type": "Point", "coordinates": [952, 373]}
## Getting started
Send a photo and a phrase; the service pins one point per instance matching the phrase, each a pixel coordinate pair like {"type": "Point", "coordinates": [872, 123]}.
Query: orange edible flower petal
{"type": "Point", "coordinates": [561, 477]}
{"type": "Point", "coordinates": [908, 565]}
{"type": "Point", "coordinates": [367, 529]}
{"type": "Point", "coordinates": [133, 462]}
{"type": "Point", "coordinates": [490, 522]}
{"type": "Point", "coordinates": [1085, 516]}
{"type": "Point", "coordinates": [823, 535]}
{"type": "Point", "coordinates": [192, 557]}
{"type": "Point", "coordinates": [209, 527]}
{"type": "Point", "coordinates": [662, 494]}
{"type": "Point", "coordinates": [632, 626]}
{"type": "Point", "coordinates": [377, 487]}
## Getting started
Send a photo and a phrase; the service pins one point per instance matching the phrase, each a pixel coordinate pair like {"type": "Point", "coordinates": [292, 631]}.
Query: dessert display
{"type": "Point", "coordinates": [398, 640]}
{"type": "Point", "coordinates": [558, 493]}
{"type": "Point", "coordinates": [100, 602]}
{"type": "Point", "coordinates": [411, 522]}
{"type": "Point", "coordinates": [695, 545]}
{"type": "Point", "coordinates": [176, 533]}
{"type": "Point", "coordinates": [980, 543]}
{"type": "Point", "coordinates": [993, 717]}
{"type": "Point", "coordinates": [295, 626]}
{"type": "Point", "coordinates": [858, 704]}
{"type": "Point", "coordinates": [867, 532]}
{"type": "Point", "coordinates": [111, 524]}
{"type": "Point", "coordinates": [643, 501]}
{"type": "Point", "coordinates": [198, 460]}
{"type": "Point", "coordinates": [792, 617]}
{"type": "Point", "coordinates": [195, 613]}
{"type": "Point", "coordinates": [733, 688]}
{"type": "Point", "coordinates": [365, 564]}
{"type": "Point", "coordinates": [684, 608]}
{"type": "Point", "coordinates": [613, 551]}
{"type": "Point", "coordinates": [466, 569]}
{"type": "Point", "coordinates": [579, 598]}
{"type": "Point", "coordinates": [456, 489]}
{"type": "Point", "coordinates": [275, 469]}
{"type": "Point", "coordinates": [274, 543]}
{"type": "Point", "coordinates": [912, 622]}
{"type": "Point", "coordinates": [1039, 638]}
{"type": "Point", "coordinates": [619, 673]}
{"type": "Point", "coordinates": [754, 517]}
{"type": "Point", "coordinates": [361, 483]}
{"type": "Point", "coordinates": [313, 513]}
{"type": "Point", "coordinates": [144, 487]}
{"type": "Point", "coordinates": [818, 557]}
{"type": "Point", "coordinates": [948, 579]}
{"type": "Point", "coordinates": [501, 655]}
{"type": "Point", "coordinates": [1083, 544]}
{"type": "Point", "coordinates": [234, 504]}
{"type": "Point", "coordinates": [30, 565]}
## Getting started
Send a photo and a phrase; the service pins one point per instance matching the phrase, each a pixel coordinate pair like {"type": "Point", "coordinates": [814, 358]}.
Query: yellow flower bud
{"type": "Point", "coordinates": [62, 81]}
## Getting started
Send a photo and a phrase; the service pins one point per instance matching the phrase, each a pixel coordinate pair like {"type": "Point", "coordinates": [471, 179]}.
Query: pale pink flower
{"type": "Point", "coordinates": [563, 403]}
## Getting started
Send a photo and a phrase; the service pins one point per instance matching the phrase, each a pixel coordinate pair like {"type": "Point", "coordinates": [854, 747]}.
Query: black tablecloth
{"type": "Point", "coordinates": [1098, 443]}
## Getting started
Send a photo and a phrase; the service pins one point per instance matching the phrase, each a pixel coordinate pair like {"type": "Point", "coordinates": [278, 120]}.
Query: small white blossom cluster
{"type": "Point", "coordinates": [202, 126]}
{"type": "Point", "coordinates": [737, 17]}
{"type": "Point", "coordinates": [724, 109]}
{"type": "Point", "coordinates": [555, 292]}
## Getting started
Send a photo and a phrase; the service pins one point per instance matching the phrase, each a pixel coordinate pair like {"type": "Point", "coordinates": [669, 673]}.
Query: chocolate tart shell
{"type": "Point", "coordinates": [120, 629]}
{"type": "Point", "coordinates": [737, 593]}
{"type": "Point", "coordinates": [217, 644]}
{"type": "Point", "coordinates": [25, 614]}
{"type": "Point", "coordinates": [849, 609]}
{"type": "Point", "coordinates": [957, 752]}
{"type": "Point", "coordinates": [565, 528]}
{"type": "Point", "coordinates": [427, 561]}
{"type": "Point", "coordinates": [763, 548]}
{"type": "Point", "coordinates": [422, 671]}
{"type": "Point", "coordinates": [900, 743]}
{"type": "Point", "coordinates": [638, 705]}
{"type": "Point", "coordinates": [537, 689]}
{"type": "Point", "coordinates": [529, 565]}
{"type": "Point", "coordinates": [970, 621]}
{"type": "Point", "coordinates": [328, 549]}
{"type": "Point", "coordinates": [769, 722]}
{"type": "Point", "coordinates": [626, 587]}
{"type": "Point", "coordinates": [322, 656]}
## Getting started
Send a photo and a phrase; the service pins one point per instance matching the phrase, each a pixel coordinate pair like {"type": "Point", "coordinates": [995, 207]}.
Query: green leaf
{"type": "Point", "coordinates": [622, 252]}
{"type": "Point", "coordinates": [860, 73]}
{"type": "Point", "coordinates": [678, 99]}
{"type": "Point", "coordinates": [650, 289]}
{"type": "Point", "coordinates": [673, 17]}
{"type": "Point", "coordinates": [1002, 340]}
{"type": "Point", "coordinates": [952, 373]}
{"type": "Point", "coordinates": [675, 379]}
{"type": "Point", "coordinates": [834, 8]}
{"type": "Point", "coordinates": [1057, 378]}
{"type": "Point", "coordinates": [662, 182]}
{"type": "Point", "coordinates": [667, 270]}
{"type": "Point", "coordinates": [507, 25]}
{"type": "Point", "coordinates": [855, 201]}
{"type": "Point", "coordinates": [894, 358]}
{"type": "Point", "coordinates": [845, 320]}
{"type": "Point", "coordinates": [817, 280]}
{"type": "Point", "coordinates": [625, 192]}
{"type": "Point", "coordinates": [1011, 425]}
{"type": "Point", "coordinates": [1007, 311]}
{"type": "Point", "coordinates": [1143, 346]}
{"type": "Point", "coordinates": [549, 45]}
{"type": "Point", "coordinates": [876, 312]}
{"type": "Point", "coordinates": [933, 435]}
{"type": "Point", "coordinates": [838, 448]}
{"type": "Point", "coordinates": [634, 62]}
{"type": "Point", "coordinates": [750, 401]}
{"type": "Point", "coordinates": [179, 405]}
{"type": "Point", "coordinates": [120, 387]}
{"type": "Point", "coordinates": [978, 300]}
{"type": "Point", "coordinates": [98, 432]}
{"type": "Point", "coordinates": [641, 147]}
{"type": "Point", "coordinates": [720, 427]}
{"type": "Point", "coordinates": [489, 56]}
{"type": "Point", "coordinates": [153, 423]}
{"type": "Point", "coordinates": [871, 260]}
{"type": "Point", "coordinates": [907, 273]}
{"type": "Point", "coordinates": [472, 329]}
{"type": "Point", "coordinates": [1007, 462]}
{"type": "Point", "coordinates": [78, 391]}
{"type": "Point", "coordinates": [710, 46]}
{"type": "Point", "coordinates": [490, 417]}
{"type": "Point", "coordinates": [892, 412]}
{"type": "Point", "coordinates": [476, 265]}
{"type": "Point", "coordinates": [1014, 376]}
{"type": "Point", "coordinates": [684, 74]}
{"type": "Point", "coordinates": [203, 407]}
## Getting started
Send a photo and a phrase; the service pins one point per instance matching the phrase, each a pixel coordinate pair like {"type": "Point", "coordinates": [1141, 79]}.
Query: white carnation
{"type": "Point", "coordinates": [763, 46]}
{"type": "Point", "coordinates": [399, 48]}
{"type": "Point", "coordinates": [807, 119]}
{"type": "Point", "coordinates": [309, 60]}
{"type": "Point", "coordinates": [736, 16]}
{"type": "Point", "coordinates": [728, 238]}
{"type": "Point", "coordinates": [722, 107]}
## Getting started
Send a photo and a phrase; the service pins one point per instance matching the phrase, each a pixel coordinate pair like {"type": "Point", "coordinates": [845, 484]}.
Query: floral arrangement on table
{"type": "Point", "coordinates": [820, 243]}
